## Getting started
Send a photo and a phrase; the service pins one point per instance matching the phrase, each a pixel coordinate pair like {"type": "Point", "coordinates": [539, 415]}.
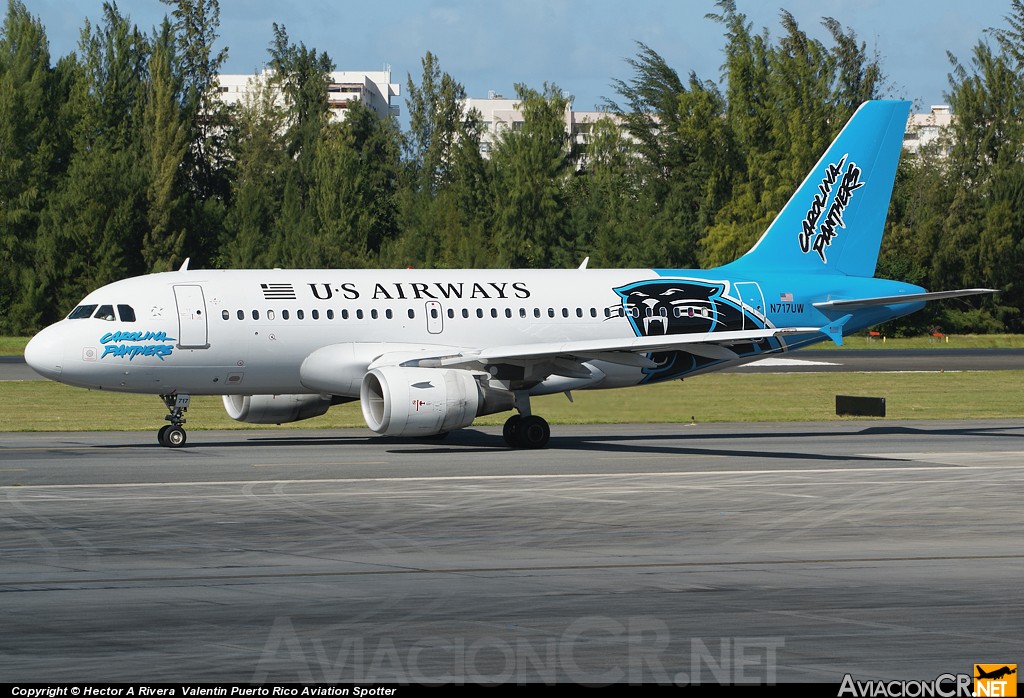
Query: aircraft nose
{"type": "Point", "coordinates": [44, 353]}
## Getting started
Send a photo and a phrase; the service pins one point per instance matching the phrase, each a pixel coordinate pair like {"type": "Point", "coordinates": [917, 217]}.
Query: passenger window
{"type": "Point", "coordinates": [255, 315]}
{"type": "Point", "coordinates": [315, 314]}
{"type": "Point", "coordinates": [82, 312]}
{"type": "Point", "coordinates": [106, 312]}
{"type": "Point", "coordinates": [465, 312]}
{"type": "Point", "coordinates": [126, 312]}
{"type": "Point", "coordinates": [226, 315]}
{"type": "Point", "coordinates": [359, 314]}
{"type": "Point", "coordinates": [388, 314]}
{"type": "Point", "coordinates": [330, 314]}
{"type": "Point", "coordinates": [344, 314]}
{"type": "Point", "coordinates": [284, 314]}
{"type": "Point", "coordinates": [412, 313]}
{"type": "Point", "coordinates": [241, 315]}
{"type": "Point", "coordinates": [494, 312]}
{"type": "Point", "coordinates": [270, 315]}
{"type": "Point", "coordinates": [300, 314]}
{"type": "Point", "coordinates": [373, 313]}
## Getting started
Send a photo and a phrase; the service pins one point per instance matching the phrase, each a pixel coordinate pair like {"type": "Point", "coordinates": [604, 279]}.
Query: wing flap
{"type": "Point", "coordinates": [629, 351]}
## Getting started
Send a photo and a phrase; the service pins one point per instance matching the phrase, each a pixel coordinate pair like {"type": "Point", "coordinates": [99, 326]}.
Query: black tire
{"type": "Point", "coordinates": [533, 432]}
{"type": "Point", "coordinates": [174, 437]}
{"type": "Point", "coordinates": [511, 430]}
{"type": "Point", "coordinates": [161, 436]}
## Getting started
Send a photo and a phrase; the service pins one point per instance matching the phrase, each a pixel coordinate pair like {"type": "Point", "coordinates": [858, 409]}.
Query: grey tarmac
{"type": "Point", "coordinates": [672, 554]}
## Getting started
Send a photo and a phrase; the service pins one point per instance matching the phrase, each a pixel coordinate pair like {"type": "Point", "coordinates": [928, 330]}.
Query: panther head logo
{"type": "Point", "coordinates": [678, 307]}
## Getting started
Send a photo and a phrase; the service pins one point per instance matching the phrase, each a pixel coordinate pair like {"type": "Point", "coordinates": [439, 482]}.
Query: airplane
{"type": "Point", "coordinates": [996, 674]}
{"type": "Point", "coordinates": [425, 352]}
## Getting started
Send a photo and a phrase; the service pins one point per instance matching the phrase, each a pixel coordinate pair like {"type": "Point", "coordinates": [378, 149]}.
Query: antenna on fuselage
{"type": "Point", "coordinates": [184, 265]}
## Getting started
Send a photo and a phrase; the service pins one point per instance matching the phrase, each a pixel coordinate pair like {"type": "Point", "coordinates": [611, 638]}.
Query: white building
{"type": "Point", "coordinates": [374, 89]}
{"type": "Point", "coordinates": [928, 129]}
{"type": "Point", "coordinates": [500, 114]}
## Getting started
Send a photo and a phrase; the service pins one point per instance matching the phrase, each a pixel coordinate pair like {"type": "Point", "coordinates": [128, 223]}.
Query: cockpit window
{"type": "Point", "coordinates": [105, 312]}
{"type": "Point", "coordinates": [82, 311]}
{"type": "Point", "coordinates": [126, 312]}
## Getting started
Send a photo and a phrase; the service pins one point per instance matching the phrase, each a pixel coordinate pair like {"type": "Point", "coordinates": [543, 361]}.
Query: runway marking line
{"type": "Point", "coordinates": [293, 465]}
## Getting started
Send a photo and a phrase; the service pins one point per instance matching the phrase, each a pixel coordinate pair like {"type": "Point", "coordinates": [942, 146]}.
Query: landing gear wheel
{"type": "Point", "coordinates": [533, 432]}
{"type": "Point", "coordinates": [511, 430]}
{"type": "Point", "coordinates": [172, 436]}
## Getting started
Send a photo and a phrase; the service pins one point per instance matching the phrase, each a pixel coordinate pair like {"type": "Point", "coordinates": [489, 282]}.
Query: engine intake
{"type": "Point", "coordinates": [402, 401]}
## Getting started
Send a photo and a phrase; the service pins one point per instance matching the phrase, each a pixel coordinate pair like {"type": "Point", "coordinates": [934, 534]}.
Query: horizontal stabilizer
{"type": "Point", "coordinates": [834, 329]}
{"type": "Point", "coordinates": [894, 300]}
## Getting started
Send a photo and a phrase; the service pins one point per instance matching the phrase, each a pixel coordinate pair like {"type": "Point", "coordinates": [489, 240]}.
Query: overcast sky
{"type": "Point", "coordinates": [579, 45]}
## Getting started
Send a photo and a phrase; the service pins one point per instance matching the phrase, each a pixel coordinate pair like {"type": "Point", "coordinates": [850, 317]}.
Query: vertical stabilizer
{"type": "Point", "coordinates": [834, 221]}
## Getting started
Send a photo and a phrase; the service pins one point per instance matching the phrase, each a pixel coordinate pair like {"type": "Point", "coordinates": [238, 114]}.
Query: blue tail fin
{"type": "Point", "coordinates": [834, 221]}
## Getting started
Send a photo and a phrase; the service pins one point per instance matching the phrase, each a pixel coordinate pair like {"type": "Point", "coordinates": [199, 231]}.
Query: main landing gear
{"type": "Point", "coordinates": [173, 435]}
{"type": "Point", "coordinates": [525, 430]}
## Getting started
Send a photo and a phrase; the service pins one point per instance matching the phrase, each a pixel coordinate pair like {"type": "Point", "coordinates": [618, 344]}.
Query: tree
{"type": "Point", "coordinates": [531, 167]}
{"type": "Point", "coordinates": [92, 229]}
{"type": "Point", "coordinates": [786, 102]}
{"type": "Point", "coordinates": [302, 76]}
{"type": "Point", "coordinates": [206, 164]}
{"type": "Point", "coordinates": [355, 180]}
{"type": "Point", "coordinates": [257, 184]}
{"type": "Point", "coordinates": [165, 141]}
{"type": "Point", "coordinates": [441, 205]}
{"type": "Point", "coordinates": [982, 242]}
{"type": "Point", "coordinates": [32, 150]}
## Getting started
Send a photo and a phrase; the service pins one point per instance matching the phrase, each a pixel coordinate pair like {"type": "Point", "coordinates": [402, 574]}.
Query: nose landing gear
{"type": "Point", "coordinates": [173, 435]}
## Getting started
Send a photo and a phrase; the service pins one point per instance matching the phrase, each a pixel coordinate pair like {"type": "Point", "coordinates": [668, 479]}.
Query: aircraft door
{"type": "Point", "coordinates": [435, 317]}
{"type": "Point", "coordinates": [192, 326]}
{"type": "Point", "coordinates": [749, 294]}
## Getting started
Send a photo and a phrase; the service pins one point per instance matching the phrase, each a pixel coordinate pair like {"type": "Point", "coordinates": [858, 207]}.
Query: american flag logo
{"type": "Point", "coordinates": [278, 292]}
{"type": "Point", "coordinates": [785, 298]}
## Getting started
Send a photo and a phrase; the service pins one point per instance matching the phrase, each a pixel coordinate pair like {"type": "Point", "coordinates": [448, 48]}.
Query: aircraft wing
{"type": "Point", "coordinates": [565, 357]}
{"type": "Point", "coordinates": [893, 300]}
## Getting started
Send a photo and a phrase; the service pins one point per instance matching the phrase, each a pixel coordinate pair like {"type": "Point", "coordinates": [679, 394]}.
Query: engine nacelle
{"type": "Point", "coordinates": [402, 401]}
{"type": "Point", "coordinates": [275, 409]}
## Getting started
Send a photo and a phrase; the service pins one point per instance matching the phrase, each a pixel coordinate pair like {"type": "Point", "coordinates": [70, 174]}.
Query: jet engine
{"type": "Point", "coordinates": [406, 401]}
{"type": "Point", "coordinates": [276, 409]}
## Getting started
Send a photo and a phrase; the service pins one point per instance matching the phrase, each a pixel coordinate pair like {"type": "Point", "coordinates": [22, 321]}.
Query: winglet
{"type": "Point", "coordinates": [834, 329]}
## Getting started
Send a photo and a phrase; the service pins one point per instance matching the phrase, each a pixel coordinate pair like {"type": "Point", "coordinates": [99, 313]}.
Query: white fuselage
{"type": "Point", "coordinates": [247, 332]}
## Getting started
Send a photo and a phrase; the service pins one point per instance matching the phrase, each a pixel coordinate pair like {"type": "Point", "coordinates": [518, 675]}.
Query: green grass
{"type": "Point", "coordinates": [12, 346]}
{"type": "Point", "coordinates": [723, 397]}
